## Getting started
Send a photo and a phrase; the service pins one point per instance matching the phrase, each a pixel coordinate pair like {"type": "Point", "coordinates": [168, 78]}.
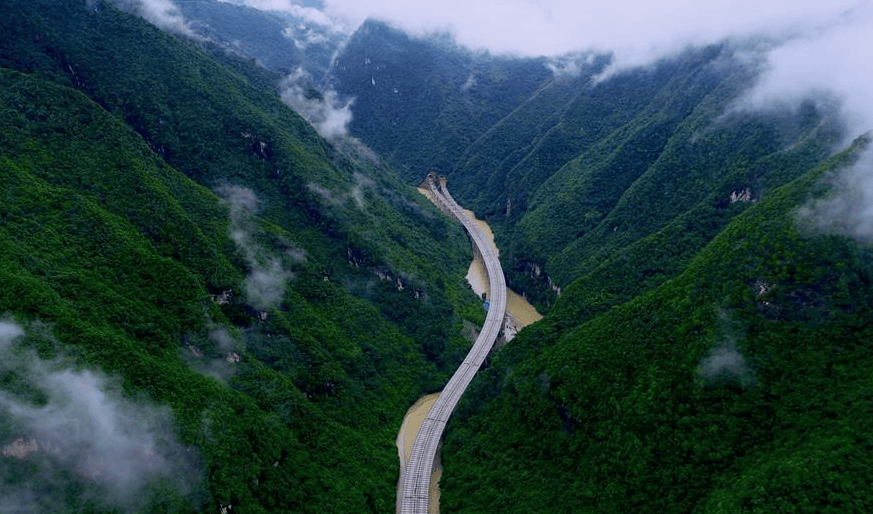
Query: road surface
{"type": "Point", "coordinates": [415, 482]}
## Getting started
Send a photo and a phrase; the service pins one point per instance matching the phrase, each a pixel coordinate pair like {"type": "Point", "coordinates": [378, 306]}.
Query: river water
{"type": "Point", "coordinates": [520, 314]}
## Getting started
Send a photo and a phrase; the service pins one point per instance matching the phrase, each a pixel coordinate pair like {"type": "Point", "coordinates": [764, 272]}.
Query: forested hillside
{"type": "Point", "coordinates": [421, 103]}
{"type": "Point", "coordinates": [189, 268]}
{"type": "Point", "coordinates": [706, 349]}
{"type": "Point", "coordinates": [741, 385]}
{"type": "Point", "coordinates": [207, 307]}
{"type": "Point", "coordinates": [574, 171]}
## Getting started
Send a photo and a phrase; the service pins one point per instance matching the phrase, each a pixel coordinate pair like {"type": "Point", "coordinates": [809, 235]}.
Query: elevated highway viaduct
{"type": "Point", "coordinates": [415, 482]}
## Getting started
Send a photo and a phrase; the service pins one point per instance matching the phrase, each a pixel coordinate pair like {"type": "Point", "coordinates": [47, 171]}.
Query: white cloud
{"type": "Point", "coordinates": [552, 27]}
{"type": "Point", "coordinates": [324, 109]}
{"type": "Point", "coordinates": [268, 278]}
{"type": "Point", "coordinates": [266, 283]}
{"type": "Point", "coordinates": [9, 331]}
{"type": "Point", "coordinates": [164, 14]}
{"type": "Point", "coordinates": [725, 364]}
{"type": "Point", "coordinates": [848, 209]}
{"type": "Point", "coordinates": [305, 37]}
{"type": "Point", "coordinates": [85, 425]}
{"type": "Point", "coordinates": [810, 45]}
{"type": "Point", "coordinates": [307, 14]}
{"type": "Point", "coordinates": [834, 58]}
{"type": "Point", "coordinates": [361, 181]}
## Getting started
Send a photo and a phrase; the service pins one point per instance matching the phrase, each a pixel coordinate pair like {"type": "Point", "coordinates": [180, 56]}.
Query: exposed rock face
{"type": "Point", "coordinates": [742, 195]}
{"type": "Point", "coordinates": [20, 448]}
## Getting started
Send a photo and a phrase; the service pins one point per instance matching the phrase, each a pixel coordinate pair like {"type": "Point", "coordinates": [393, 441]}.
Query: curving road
{"type": "Point", "coordinates": [415, 482]}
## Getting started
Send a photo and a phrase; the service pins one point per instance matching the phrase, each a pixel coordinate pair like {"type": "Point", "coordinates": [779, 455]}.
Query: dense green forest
{"type": "Point", "coordinates": [740, 385]}
{"type": "Point", "coordinates": [206, 307]}
{"type": "Point", "coordinates": [576, 172]}
{"type": "Point", "coordinates": [170, 227]}
{"type": "Point", "coordinates": [704, 350]}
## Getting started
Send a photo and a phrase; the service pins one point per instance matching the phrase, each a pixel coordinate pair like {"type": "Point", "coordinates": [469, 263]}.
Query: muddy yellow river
{"type": "Point", "coordinates": [520, 314]}
{"type": "Point", "coordinates": [406, 437]}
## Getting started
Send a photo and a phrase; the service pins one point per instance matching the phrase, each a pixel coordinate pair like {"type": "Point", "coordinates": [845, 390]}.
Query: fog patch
{"type": "Point", "coordinates": [848, 209]}
{"type": "Point", "coordinates": [304, 37]}
{"type": "Point", "coordinates": [265, 286]}
{"type": "Point", "coordinates": [219, 361]}
{"type": "Point", "coordinates": [323, 109]}
{"type": "Point", "coordinates": [268, 277]}
{"type": "Point", "coordinates": [724, 363]}
{"type": "Point", "coordinates": [296, 254]}
{"type": "Point", "coordinates": [571, 65]}
{"type": "Point", "coordinates": [9, 331]}
{"type": "Point", "coordinates": [308, 14]}
{"type": "Point", "coordinates": [829, 57]}
{"type": "Point", "coordinates": [470, 82]}
{"type": "Point", "coordinates": [361, 181]}
{"type": "Point", "coordinates": [78, 421]}
{"type": "Point", "coordinates": [163, 14]}
{"type": "Point", "coordinates": [327, 196]}
{"type": "Point", "coordinates": [335, 199]}
{"type": "Point", "coordinates": [353, 148]}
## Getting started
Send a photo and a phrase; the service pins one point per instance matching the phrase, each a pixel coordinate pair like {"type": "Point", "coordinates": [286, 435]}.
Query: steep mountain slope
{"type": "Point", "coordinates": [248, 31]}
{"type": "Point", "coordinates": [287, 303]}
{"type": "Point", "coordinates": [421, 103]}
{"type": "Point", "coordinates": [741, 385]}
{"type": "Point", "coordinates": [168, 222]}
{"type": "Point", "coordinates": [701, 354]}
{"type": "Point", "coordinates": [278, 41]}
{"type": "Point", "coordinates": [577, 169]}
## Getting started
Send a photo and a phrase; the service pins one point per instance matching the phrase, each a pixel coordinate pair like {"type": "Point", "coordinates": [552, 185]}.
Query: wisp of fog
{"type": "Point", "coordinates": [85, 426]}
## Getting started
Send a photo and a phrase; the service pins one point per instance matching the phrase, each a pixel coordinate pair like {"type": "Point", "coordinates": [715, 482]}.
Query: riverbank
{"type": "Point", "coordinates": [521, 313]}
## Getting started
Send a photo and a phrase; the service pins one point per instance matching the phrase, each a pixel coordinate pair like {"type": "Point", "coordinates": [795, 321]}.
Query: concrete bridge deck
{"type": "Point", "coordinates": [415, 482]}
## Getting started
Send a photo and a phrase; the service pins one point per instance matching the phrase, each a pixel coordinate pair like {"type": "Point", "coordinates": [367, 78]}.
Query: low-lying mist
{"type": "Point", "coordinates": [269, 275]}
{"type": "Point", "coordinates": [67, 422]}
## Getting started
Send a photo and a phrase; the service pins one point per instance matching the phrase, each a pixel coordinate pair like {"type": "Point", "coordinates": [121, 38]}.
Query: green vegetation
{"type": "Point", "coordinates": [703, 355]}
{"type": "Point", "coordinates": [578, 175]}
{"type": "Point", "coordinates": [177, 227]}
{"type": "Point", "coordinates": [174, 236]}
{"type": "Point", "coordinates": [422, 104]}
{"type": "Point", "coordinates": [740, 385]}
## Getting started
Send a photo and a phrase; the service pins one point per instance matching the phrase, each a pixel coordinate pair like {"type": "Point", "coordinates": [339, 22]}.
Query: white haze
{"type": "Point", "coordinates": [327, 112]}
{"type": "Point", "coordinates": [163, 14]}
{"type": "Point", "coordinates": [223, 367]}
{"type": "Point", "coordinates": [808, 44]}
{"type": "Point", "coordinates": [834, 61]}
{"type": "Point", "coordinates": [89, 427]}
{"type": "Point", "coordinates": [268, 278]}
{"type": "Point", "coordinates": [553, 27]}
{"type": "Point", "coordinates": [833, 58]}
{"type": "Point", "coordinates": [725, 364]}
{"type": "Point", "coordinates": [807, 47]}
{"type": "Point", "coordinates": [848, 210]}
{"type": "Point", "coordinates": [307, 14]}
{"type": "Point", "coordinates": [357, 193]}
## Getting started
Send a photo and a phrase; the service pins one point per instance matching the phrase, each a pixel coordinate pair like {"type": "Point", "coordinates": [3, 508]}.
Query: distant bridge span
{"type": "Point", "coordinates": [415, 482]}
